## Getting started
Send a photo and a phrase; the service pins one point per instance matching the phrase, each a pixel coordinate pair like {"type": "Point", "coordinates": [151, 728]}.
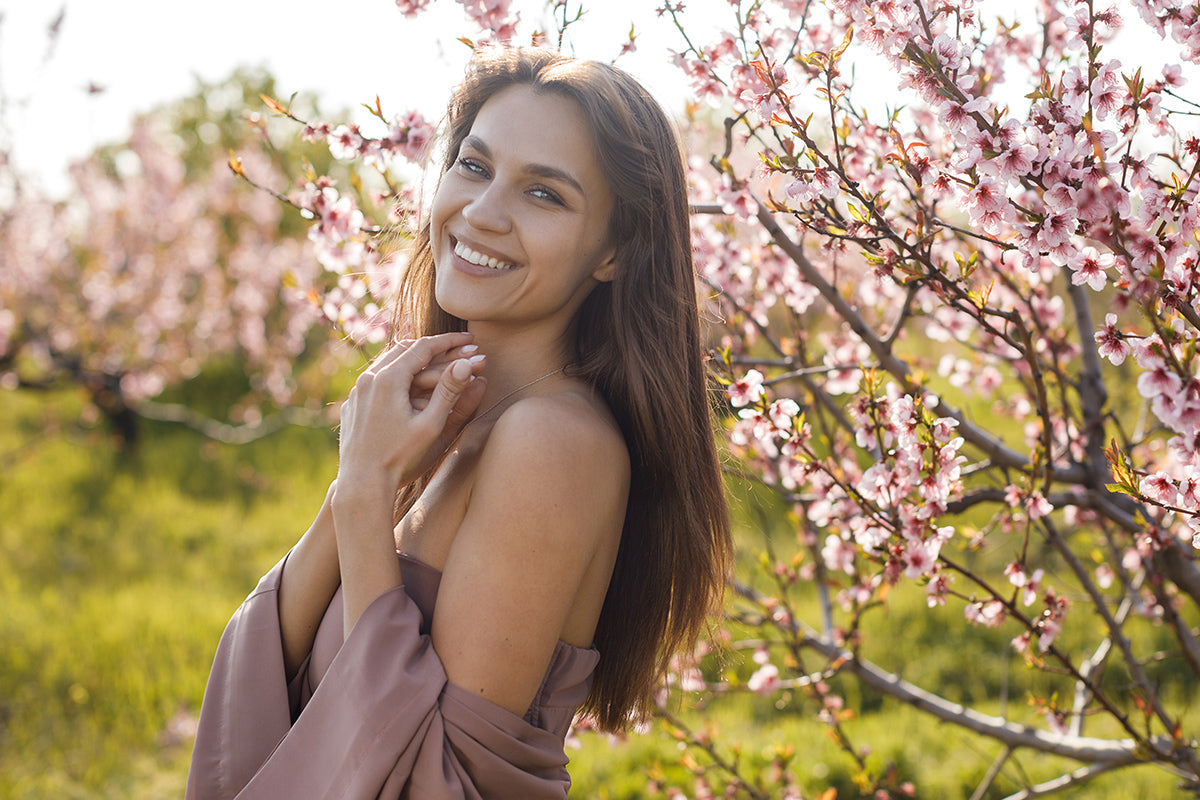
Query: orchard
{"type": "Point", "coordinates": [954, 343]}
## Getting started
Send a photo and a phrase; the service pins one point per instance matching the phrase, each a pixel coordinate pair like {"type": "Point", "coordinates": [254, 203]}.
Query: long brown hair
{"type": "Point", "coordinates": [638, 344]}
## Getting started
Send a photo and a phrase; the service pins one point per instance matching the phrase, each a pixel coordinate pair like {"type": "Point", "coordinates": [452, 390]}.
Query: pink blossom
{"type": "Point", "coordinates": [1028, 584]}
{"type": "Point", "coordinates": [1049, 624]}
{"type": "Point", "coordinates": [1157, 382]}
{"type": "Point", "coordinates": [989, 614]}
{"type": "Point", "coordinates": [949, 51]}
{"type": "Point", "coordinates": [1037, 506]}
{"type": "Point", "coordinates": [747, 390]}
{"type": "Point", "coordinates": [1159, 487]}
{"type": "Point", "coordinates": [410, 8]}
{"type": "Point", "coordinates": [958, 117]}
{"type": "Point", "coordinates": [920, 557]}
{"type": "Point", "coordinates": [1106, 89]}
{"type": "Point", "coordinates": [831, 706]}
{"type": "Point", "coordinates": [1089, 267]}
{"type": "Point", "coordinates": [802, 191]}
{"type": "Point", "coordinates": [765, 680]}
{"type": "Point", "coordinates": [1110, 343]}
{"type": "Point", "coordinates": [838, 554]}
{"type": "Point", "coordinates": [988, 205]}
{"type": "Point", "coordinates": [492, 16]}
{"type": "Point", "coordinates": [345, 142]}
{"type": "Point", "coordinates": [411, 133]}
{"type": "Point", "coordinates": [1148, 352]}
{"type": "Point", "coordinates": [825, 182]}
{"type": "Point", "coordinates": [782, 412]}
{"type": "Point", "coordinates": [1189, 491]}
{"type": "Point", "coordinates": [690, 680]}
{"type": "Point", "coordinates": [739, 201]}
{"type": "Point", "coordinates": [935, 591]}
{"type": "Point", "coordinates": [1055, 721]}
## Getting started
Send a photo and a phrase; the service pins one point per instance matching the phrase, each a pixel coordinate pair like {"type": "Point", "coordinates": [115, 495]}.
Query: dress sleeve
{"type": "Point", "coordinates": [383, 723]}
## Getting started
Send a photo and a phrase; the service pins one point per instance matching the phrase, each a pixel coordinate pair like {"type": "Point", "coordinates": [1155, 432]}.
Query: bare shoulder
{"type": "Point", "coordinates": [563, 431]}
{"type": "Point", "coordinates": [561, 463]}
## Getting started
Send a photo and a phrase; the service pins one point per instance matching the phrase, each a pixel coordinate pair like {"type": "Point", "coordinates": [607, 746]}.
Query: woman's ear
{"type": "Point", "coordinates": [607, 269]}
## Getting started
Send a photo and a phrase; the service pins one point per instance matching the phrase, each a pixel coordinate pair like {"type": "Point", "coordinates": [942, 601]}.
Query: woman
{"type": "Point", "coordinates": [561, 528]}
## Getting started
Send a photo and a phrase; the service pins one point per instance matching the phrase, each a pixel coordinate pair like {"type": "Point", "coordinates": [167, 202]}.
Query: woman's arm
{"type": "Point", "coordinates": [310, 578]}
{"type": "Point", "coordinates": [315, 566]}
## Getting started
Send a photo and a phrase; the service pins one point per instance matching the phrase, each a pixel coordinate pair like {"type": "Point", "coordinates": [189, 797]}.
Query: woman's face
{"type": "Point", "coordinates": [519, 225]}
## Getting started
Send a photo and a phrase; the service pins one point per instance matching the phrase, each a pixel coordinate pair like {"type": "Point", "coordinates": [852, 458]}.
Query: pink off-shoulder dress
{"type": "Point", "coordinates": [374, 716]}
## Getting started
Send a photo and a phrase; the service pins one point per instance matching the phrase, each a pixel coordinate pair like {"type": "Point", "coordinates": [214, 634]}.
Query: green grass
{"type": "Point", "coordinates": [119, 570]}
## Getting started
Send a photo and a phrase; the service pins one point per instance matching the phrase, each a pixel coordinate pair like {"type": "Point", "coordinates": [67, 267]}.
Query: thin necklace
{"type": "Point", "coordinates": [490, 408]}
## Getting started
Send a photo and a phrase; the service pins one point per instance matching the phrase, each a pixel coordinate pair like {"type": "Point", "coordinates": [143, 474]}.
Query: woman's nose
{"type": "Point", "coordinates": [488, 210]}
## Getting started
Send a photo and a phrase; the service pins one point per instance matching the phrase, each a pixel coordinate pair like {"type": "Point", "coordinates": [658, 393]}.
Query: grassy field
{"type": "Point", "coordinates": [118, 571]}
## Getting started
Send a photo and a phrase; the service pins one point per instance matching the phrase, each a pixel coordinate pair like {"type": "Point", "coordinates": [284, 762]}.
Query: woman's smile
{"type": "Point", "coordinates": [478, 259]}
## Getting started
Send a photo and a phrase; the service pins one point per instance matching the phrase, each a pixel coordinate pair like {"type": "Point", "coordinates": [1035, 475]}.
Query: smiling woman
{"type": "Point", "coordinates": [528, 517]}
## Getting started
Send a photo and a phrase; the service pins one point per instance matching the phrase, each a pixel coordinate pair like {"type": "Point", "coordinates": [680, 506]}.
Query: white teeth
{"type": "Point", "coordinates": [479, 259]}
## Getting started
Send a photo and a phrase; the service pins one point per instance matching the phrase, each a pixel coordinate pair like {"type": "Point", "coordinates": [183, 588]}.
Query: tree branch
{"type": "Point", "coordinates": [1081, 775]}
{"type": "Point", "coordinates": [1093, 663]}
{"type": "Point", "coordinates": [1092, 392]}
{"type": "Point", "coordinates": [1111, 752]}
{"type": "Point", "coordinates": [224, 432]}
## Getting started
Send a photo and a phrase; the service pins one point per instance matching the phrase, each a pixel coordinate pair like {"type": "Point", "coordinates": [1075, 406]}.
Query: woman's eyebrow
{"type": "Point", "coordinates": [540, 170]}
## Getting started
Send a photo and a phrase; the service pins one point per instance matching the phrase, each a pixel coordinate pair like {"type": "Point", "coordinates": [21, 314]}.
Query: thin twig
{"type": "Point", "coordinates": [1095, 661]}
{"type": "Point", "coordinates": [696, 741]}
{"type": "Point", "coordinates": [992, 773]}
{"type": "Point", "coordinates": [1122, 643]}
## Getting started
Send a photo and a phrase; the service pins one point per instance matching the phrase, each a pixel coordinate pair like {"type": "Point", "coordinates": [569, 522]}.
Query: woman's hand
{"type": "Point", "coordinates": [406, 409]}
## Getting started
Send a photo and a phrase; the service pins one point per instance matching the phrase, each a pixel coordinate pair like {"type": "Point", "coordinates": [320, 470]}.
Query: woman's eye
{"type": "Point", "coordinates": [472, 166]}
{"type": "Point", "coordinates": [542, 193]}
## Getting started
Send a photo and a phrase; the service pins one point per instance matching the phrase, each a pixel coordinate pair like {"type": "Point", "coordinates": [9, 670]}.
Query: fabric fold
{"type": "Point", "coordinates": [382, 722]}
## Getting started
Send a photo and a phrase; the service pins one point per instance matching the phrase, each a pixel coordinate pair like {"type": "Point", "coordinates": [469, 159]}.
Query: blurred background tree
{"type": "Point", "coordinates": [165, 286]}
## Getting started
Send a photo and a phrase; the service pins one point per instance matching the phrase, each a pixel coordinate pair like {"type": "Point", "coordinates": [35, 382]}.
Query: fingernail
{"type": "Point", "coordinates": [479, 359]}
{"type": "Point", "coordinates": [460, 370]}
{"type": "Point", "coordinates": [467, 349]}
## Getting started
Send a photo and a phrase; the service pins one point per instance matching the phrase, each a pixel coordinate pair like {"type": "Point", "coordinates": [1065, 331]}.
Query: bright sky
{"type": "Point", "coordinates": [147, 52]}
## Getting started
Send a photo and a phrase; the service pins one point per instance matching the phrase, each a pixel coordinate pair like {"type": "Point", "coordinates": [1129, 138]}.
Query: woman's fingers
{"type": "Point", "coordinates": [466, 406]}
{"type": "Point", "coordinates": [387, 356]}
{"type": "Point", "coordinates": [425, 351]}
{"type": "Point", "coordinates": [449, 389]}
{"type": "Point", "coordinates": [424, 381]}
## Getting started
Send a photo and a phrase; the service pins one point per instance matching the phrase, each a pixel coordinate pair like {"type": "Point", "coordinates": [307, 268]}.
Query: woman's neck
{"type": "Point", "coordinates": [515, 362]}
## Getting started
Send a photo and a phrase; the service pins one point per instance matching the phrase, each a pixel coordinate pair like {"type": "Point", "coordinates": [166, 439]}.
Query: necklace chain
{"type": "Point", "coordinates": [492, 407]}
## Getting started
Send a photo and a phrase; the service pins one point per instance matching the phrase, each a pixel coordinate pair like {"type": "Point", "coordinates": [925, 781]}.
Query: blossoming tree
{"type": "Point", "coordinates": [958, 342]}
{"type": "Point", "coordinates": [160, 263]}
